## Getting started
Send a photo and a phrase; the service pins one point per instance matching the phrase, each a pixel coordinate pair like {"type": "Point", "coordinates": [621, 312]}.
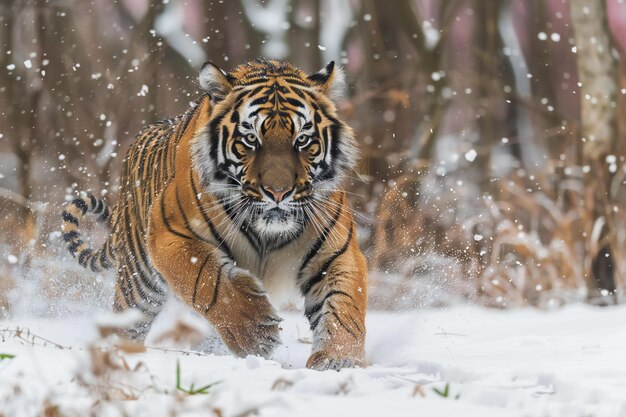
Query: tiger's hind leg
{"type": "Point", "coordinates": [142, 292]}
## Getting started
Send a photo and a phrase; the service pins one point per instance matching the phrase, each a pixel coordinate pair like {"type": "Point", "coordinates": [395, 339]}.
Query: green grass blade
{"type": "Point", "coordinates": [192, 390]}
{"type": "Point", "coordinates": [445, 392]}
{"type": "Point", "coordinates": [178, 375]}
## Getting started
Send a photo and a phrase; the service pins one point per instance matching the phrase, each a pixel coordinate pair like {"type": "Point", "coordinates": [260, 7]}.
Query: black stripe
{"type": "Point", "coordinates": [186, 220]}
{"type": "Point", "coordinates": [131, 258]}
{"type": "Point", "coordinates": [74, 245]}
{"type": "Point", "coordinates": [67, 217]}
{"type": "Point", "coordinates": [131, 243]}
{"type": "Point", "coordinates": [245, 228]}
{"type": "Point", "coordinates": [166, 154]}
{"type": "Point", "coordinates": [123, 282]}
{"type": "Point", "coordinates": [167, 223]}
{"type": "Point", "coordinates": [99, 207]}
{"type": "Point", "coordinates": [221, 241]}
{"type": "Point", "coordinates": [195, 288]}
{"type": "Point", "coordinates": [148, 182]}
{"type": "Point", "coordinates": [141, 157]}
{"type": "Point", "coordinates": [296, 81]}
{"type": "Point", "coordinates": [255, 91]}
{"type": "Point", "coordinates": [131, 278]}
{"type": "Point", "coordinates": [154, 179]}
{"type": "Point", "coordinates": [327, 171]}
{"type": "Point", "coordinates": [149, 173]}
{"type": "Point", "coordinates": [82, 258]}
{"type": "Point", "coordinates": [213, 137]}
{"type": "Point", "coordinates": [93, 264]}
{"type": "Point", "coordinates": [235, 151]}
{"type": "Point", "coordinates": [344, 325]}
{"type": "Point", "coordinates": [105, 214]}
{"type": "Point", "coordinates": [104, 259]}
{"type": "Point", "coordinates": [255, 112]}
{"type": "Point", "coordinates": [298, 92]}
{"type": "Point", "coordinates": [312, 98]}
{"type": "Point", "coordinates": [142, 281]}
{"type": "Point", "coordinates": [255, 78]}
{"type": "Point", "coordinates": [110, 252]}
{"type": "Point", "coordinates": [356, 324]}
{"type": "Point", "coordinates": [317, 320]}
{"type": "Point", "coordinates": [146, 280]}
{"type": "Point", "coordinates": [317, 278]}
{"type": "Point", "coordinates": [93, 201]}
{"type": "Point", "coordinates": [163, 173]}
{"type": "Point", "coordinates": [258, 101]}
{"type": "Point", "coordinates": [225, 134]}
{"type": "Point", "coordinates": [326, 141]}
{"type": "Point", "coordinates": [80, 203]}
{"type": "Point", "coordinates": [141, 306]}
{"type": "Point", "coordinates": [208, 221]}
{"type": "Point", "coordinates": [216, 289]}
{"type": "Point", "coordinates": [234, 116]}
{"type": "Point", "coordinates": [195, 193]}
{"type": "Point", "coordinates": [320, 241]}
{"type": "Point", "coordinates": [310, 312]}
{"type": "Point", "coordinates": [133, 267]}
{"type": "Point", "coordinates": [69, 236]}
{"type": "Point", "coordinates": [335, 134]}
{"type": "Point", "coordinates": [296, 103]}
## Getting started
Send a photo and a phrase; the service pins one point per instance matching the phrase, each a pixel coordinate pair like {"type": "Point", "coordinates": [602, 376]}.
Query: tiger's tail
{"type": "Point", "coordinates": [97, 260]}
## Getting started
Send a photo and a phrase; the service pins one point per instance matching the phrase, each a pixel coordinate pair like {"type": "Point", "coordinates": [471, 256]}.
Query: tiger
{"type": "Point", "coordinates": [234, 200]}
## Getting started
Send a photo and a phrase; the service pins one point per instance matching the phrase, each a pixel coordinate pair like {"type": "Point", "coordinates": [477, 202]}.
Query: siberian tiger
{"type": "Point", "coordinates": [239, 195]}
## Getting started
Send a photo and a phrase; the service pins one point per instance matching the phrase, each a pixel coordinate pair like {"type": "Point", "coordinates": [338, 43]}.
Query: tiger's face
{"type": "Point", "coordinates": [274, 148]}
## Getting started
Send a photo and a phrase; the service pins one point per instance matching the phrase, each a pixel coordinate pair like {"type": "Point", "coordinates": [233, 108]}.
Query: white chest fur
{"type": "Point", "coordinates": [278, 270]}
{"type": "Point", "coordinates": [279, 274]}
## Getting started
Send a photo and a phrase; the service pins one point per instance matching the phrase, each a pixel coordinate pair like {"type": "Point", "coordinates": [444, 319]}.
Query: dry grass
{"type": "Point", "coordinates": [531, 242]}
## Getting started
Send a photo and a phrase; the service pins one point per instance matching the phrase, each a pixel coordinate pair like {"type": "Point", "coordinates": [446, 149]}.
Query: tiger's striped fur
{"type": "Point", "coordinates": [238, 196]}
{"type": "Point", "coordinates": [99, 260]}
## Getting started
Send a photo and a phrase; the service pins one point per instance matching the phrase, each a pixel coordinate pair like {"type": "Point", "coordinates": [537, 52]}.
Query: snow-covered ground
{"type": "Point", "coordinates": [569, 362]}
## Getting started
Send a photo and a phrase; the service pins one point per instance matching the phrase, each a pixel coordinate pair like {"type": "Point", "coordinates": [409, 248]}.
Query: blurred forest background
{"type": "Point", "coordinates": [491, 133]}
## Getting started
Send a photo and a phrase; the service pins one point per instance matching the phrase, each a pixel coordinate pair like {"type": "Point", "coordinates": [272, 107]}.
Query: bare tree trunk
{"type": "Point", "coordinates": [396, 39]}
{"type": "Point", "coordinates": [487, 40]}
{"type": "Point", "coordinates": [309, 56]}
{"type": "Point", "coordinates": [597, 75]}
{"type": "Point", "coordinates": [21, 118]}
{"type": "Point", "coordinates": [154, 57]}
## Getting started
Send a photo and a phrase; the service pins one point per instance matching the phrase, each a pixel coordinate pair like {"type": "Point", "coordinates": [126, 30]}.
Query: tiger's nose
{"type": "Point", "coordinates": [278, 194]}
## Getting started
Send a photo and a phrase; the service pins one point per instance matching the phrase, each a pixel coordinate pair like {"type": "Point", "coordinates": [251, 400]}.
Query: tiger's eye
{"type": "Point", "coordinates": [250, 140]}
{"type": "Point", "coordinates": [303, 140]}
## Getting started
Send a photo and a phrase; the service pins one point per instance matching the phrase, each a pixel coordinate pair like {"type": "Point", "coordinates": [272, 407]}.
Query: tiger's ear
{"type": "Point", "coordinates": [214, 81]}
{"type": "Point", "coordinates": [330, 80]}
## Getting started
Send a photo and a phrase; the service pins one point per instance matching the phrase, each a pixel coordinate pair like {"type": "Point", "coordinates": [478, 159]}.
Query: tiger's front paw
{"type": "Point", "coordinates": [251, 325]}
{"type": "Point", "coordinates": [324, 360]}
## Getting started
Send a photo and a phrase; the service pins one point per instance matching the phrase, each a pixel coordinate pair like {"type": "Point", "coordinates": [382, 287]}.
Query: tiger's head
{"type": "Point", "coordinates": [274, 147]}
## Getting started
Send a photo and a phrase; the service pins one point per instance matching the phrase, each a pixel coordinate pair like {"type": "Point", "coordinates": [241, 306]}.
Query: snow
{"type": "Point", "coordinates": [471, 155]}
{"type": "Point", "coordinates": [524, 362]}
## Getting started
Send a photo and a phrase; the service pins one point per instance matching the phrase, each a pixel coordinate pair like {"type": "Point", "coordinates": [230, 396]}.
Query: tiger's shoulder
{"type": "Point", "coordinates": [158, 131]}
{"type": "Point", "coordinates": [154, 138]}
